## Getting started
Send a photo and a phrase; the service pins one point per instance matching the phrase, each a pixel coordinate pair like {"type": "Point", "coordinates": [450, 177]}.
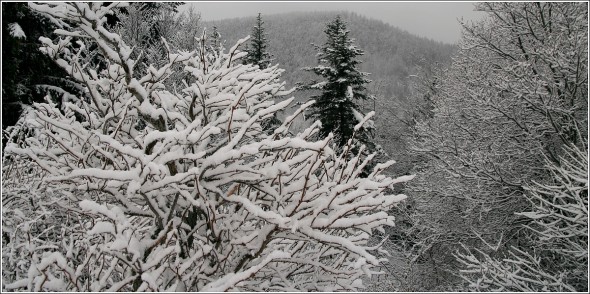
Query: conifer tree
{"type": "Point", "coordinates": [257, 53]}
{"type": "Point", "coordinates": [215, 40]}
{"type": "Point", "coordinates": [344, 85]}
{"type": "Point", "coordinates": [27, 74]}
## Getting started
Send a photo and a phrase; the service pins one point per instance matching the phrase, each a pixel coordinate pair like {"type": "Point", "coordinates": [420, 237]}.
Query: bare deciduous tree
{"type": "Point", "coordinates": [515, 94]}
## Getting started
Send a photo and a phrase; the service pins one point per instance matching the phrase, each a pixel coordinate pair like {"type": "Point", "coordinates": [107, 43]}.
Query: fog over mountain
{"type": "Point", "coordinates": [435, 20]}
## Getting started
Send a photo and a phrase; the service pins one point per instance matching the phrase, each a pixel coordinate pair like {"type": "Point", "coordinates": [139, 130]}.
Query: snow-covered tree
{"type": "Point", "coordinates": [257, 49]}
{"type": "Point", "coordinates": [515, 94]}
{"type": "Point", "coordinates": [157, 17]}
{"type": "Point", "coordinates": [344, 85]}
{"type": "Point", "coordinates": [189, 30]}
{"type": "Point", "coordinates": [199, 198]}
{"type": "Point", "coordinates": [560, 226]}
{"type": "Point", "coordinates": [215, 40]}
{"type": "Point", "coordinates": [144, 24]}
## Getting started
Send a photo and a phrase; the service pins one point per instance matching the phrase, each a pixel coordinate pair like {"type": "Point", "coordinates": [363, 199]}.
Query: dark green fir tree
{"type": "Point", "coordinates": [258, 55]}
{"type": "Point", "coordinates": [257, 50]}
{"type": "Point", "coordinates": [342, 88]}
{"type": "Point", "coordinates": [28, 75]}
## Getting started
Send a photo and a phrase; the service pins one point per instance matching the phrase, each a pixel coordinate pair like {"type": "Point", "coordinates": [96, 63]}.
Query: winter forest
{"type": "Point", "coordinates": [146, 149]}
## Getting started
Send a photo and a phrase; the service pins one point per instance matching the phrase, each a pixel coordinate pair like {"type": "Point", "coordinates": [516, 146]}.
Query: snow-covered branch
{"type": "Point", "coordinates": [149, 189]}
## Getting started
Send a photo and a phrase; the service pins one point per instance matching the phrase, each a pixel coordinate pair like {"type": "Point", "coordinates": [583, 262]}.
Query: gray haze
{"type": "Point", "coordinates": [435, 20]}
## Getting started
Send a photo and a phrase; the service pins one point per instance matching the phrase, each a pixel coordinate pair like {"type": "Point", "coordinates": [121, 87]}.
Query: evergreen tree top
{"type": "Point", "coordinates": [339, 49]}
{"type": "Point", "coordinates": [259, 21]}
{"type": "Point", "coordinates": [257, 53]}
{"type": "Point", "coordinates": [338, 62]}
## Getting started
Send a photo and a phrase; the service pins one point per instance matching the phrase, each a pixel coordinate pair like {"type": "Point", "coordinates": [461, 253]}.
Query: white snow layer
{"type": "Point", "coordinates": [16, 31]}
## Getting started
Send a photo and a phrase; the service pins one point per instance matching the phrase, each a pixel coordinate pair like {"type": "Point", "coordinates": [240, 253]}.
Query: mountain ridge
{"type": "Point", "coordinates": [334, 12]}
{"type": "Point", "coordinates": [391, 53]}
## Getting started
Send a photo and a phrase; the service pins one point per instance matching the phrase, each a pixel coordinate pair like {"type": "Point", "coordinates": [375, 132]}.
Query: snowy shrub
{"type": "Point", "coordinates": [149, 188]}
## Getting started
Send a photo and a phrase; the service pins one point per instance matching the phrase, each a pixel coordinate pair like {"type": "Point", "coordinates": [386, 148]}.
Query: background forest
{"type": "Point", "coordinates": [145, 149]}
{"type": "Point", "coordinates": [396, 60]}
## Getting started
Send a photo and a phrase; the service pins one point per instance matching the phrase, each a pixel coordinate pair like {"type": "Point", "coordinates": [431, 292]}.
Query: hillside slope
{"type": "Point", "coordinates": [391, 56]}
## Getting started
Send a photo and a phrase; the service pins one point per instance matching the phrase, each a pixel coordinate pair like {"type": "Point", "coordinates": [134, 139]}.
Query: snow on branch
{"type": "Point", "coordinates": [560, 223]}
{"type": "Point", "coordinates": [141, 188]}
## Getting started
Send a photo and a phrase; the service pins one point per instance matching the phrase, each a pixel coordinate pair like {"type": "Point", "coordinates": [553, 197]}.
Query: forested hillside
{"type": "Point", "coordinates": [392, 56]}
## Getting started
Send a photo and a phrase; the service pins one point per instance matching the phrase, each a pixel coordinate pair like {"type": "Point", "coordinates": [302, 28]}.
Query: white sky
{"type": "Point", "coordinates": [435, 20]}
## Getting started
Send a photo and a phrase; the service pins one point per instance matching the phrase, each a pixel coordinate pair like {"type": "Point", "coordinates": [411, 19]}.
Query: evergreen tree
{"type": "Point", "coordinates": [28, 75]}
{"type": "Point", "coordinates": [257, 53]}
{"type": "Point", "coordinates": [344, 85]}
{"type": "Point", "coordinates": [215, 41]}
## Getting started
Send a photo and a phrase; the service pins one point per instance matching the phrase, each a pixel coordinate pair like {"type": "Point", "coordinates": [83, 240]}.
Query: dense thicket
{"type": "Point", "coordinates": [505, 146]}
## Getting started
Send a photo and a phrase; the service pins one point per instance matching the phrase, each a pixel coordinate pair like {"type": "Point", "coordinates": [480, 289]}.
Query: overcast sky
{"type": "Point", "coordinates": [435, 20]}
